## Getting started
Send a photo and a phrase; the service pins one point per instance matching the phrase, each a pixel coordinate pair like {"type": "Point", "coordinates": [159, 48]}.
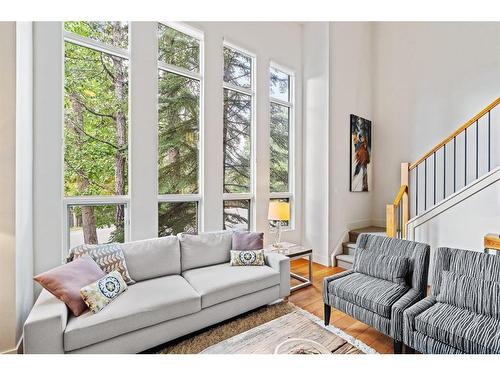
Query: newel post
{"type": "Point", "coordinates": [405, 180]}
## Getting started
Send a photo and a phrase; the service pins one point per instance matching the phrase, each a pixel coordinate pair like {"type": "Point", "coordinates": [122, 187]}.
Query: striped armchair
{"type": "Point", "coordinates": [462, 314]}
{"type": "Point", "coordinates": [370, 292]}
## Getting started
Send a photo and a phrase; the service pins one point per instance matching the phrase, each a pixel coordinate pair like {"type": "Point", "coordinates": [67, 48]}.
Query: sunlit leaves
{"type": "Point", "coordinates": [91, 106]}
{"type": "Point", "coordinates": [177, 217]}
{"type": "Point", "coordinates": [279, 148]}
{"type": "Point", "coordinates": [110, 32]}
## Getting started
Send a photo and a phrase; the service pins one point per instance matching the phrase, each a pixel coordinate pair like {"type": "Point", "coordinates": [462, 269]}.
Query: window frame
{"type": "Point", "coordinates": [169, 68]}
{"type": "Point", "coordinates": [96, 200]}
{"type": "Point", "coordinates": [252, 92]}
{"type": "Point", "coordinates": [290, 104]}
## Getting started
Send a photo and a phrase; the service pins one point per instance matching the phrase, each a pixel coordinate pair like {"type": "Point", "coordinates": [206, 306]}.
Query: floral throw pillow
{"type": "Point", "coordinates": [109, 257]}
{"type": "Point", "coordinates": [101, 292]}
{"type": "Point", "coordinates": [247, 258]}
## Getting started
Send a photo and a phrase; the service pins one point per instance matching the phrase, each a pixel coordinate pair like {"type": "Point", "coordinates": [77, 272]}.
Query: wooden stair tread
{"type": "Point", "coordinates": [345, 258]}
{"type": "Point", "coordinates": [371, 229]}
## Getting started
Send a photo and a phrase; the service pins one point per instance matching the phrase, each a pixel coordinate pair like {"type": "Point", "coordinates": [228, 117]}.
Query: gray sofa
{"type": "Point", "coordinates": [375, 301]}
{"type": "Point", "coordinates": [184, 283]}
{"type": "Point", "coordinates": [462, 313]}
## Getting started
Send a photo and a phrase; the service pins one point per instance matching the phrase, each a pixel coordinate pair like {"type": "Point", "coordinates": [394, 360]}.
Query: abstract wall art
{"type": "Point", "coordinates": [361, 150]}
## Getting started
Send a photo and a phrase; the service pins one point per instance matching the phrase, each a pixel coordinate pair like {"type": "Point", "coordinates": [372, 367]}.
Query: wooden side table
{"type": "Point", "coordinates": [294, 251]}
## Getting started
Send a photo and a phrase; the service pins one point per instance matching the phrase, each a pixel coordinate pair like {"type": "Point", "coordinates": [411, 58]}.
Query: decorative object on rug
{"type": "Point", "coordinates": [278, 211]}
{"type": "Point", "coordinates": [243, 240]}
{"type": "Point", "coordinates": [299, 324]}
{"type": "Point", "coordinates": [361, 149]}
{"type": "Point", "coordinates": [109, 257]}
{"type": "Point", "coordinates": [306, 326]}
{"type": "Point", "coordinates": [247, 258]}
{"type": "Point", "coordinates": [301, 346]}
{"type": "Point", "coordinates": [101, 292]}
{"type": "Point", "coordinates": [65, 281]}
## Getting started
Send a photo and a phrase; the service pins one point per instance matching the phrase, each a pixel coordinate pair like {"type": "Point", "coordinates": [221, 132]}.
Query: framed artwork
{"type": "Point", "coordinates": [361, 152]}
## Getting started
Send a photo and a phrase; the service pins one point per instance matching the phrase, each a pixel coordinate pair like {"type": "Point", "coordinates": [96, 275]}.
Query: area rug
{"type": "Point", "coordinates": [207, 340]}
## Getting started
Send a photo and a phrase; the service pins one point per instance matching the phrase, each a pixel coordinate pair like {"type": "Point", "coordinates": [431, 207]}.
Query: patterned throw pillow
{"type": "Point", "coordinates": [386, 267]}
{"type": "Point", "coordinates": [101, 292]}
{"type": "Point", "coordinates": [247, 258]}
{"type": "Point", "coordinates": [109, 257]}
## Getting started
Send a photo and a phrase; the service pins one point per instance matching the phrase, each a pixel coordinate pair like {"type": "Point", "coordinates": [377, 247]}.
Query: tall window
{"type": "Point", "coordinates": [96, 59]}
{"type": "Point", "coordinates": [238, 118]}
{"type": "Point", "coordinates": [281, 146]}
{"type": "Point", "coordinates": [179, 98]}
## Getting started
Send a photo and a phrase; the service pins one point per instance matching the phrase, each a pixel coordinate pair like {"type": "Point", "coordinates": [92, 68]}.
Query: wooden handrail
{"type": "Point", "coordinates": [403, 189]}
{"type": "Point", "coordinates": [456, 132]}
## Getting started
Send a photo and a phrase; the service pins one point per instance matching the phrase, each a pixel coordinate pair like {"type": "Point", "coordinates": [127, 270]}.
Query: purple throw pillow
{"type": "Point", "coordinates": [65, 281]}
{"type": "Point", "coordinates": [248, 240]}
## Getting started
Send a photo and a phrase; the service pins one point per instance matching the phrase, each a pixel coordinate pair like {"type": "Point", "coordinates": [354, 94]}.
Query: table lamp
{"type": "Point", "coordinates": [278, 211]}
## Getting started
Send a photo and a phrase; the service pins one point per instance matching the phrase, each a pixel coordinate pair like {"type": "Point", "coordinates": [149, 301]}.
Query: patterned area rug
{"type": "Point", "coordinates": [218, 338]}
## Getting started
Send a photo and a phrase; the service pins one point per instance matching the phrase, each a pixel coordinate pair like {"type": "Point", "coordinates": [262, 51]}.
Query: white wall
{"type": "Point", "coordinates": [429, 78]}
{"type": "Point", "coordinates": [316, 71]}
{"type": "Point", "coordinates": [7, 186]}
{"type": "Point", "coordinates": [24, 173]}
{"type": "Point", "coordinates": [351, 71]}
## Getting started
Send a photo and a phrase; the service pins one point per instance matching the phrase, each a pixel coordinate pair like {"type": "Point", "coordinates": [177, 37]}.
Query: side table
{"type": "Point", "coordinates": [294, 251]}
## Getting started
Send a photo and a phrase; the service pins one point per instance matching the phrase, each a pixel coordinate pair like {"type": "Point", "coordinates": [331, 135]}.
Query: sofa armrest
{"type": "Point", "coordinates": [409, 316]}
{"type": "Point", "coordinates": [44, 329]}
{"type": "Point", "coordinates": [280, 263]}
{"type": "Point", "coordinates": [329, 279]}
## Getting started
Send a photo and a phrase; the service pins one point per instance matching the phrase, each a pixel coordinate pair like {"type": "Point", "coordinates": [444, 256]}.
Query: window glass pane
{"type": "Point", "coordinates": [178, 128]}
{"type": "Point", "coordinates": [109, 32]}
{"type": "Point", "coordinates": [279, 87]}
{"type": "Point", "coordinates": [96, 224]}
{"type": "Point", "coordinates": [279, 147]}
{"type": "Point", "coordinates": [177, 217]}
{"type": "Point", "coordinates": [237, 147]}
{"type": "Point", "coordinates": [178, 49]}
{"type": "Point", "coordinates": [284, 223]}
{"type": "Point", "coordinates": [237, 214]}
{"type": "Point", "coordinates": [95, 122]}
{"type": "Point", "coordinates": [237, 68]}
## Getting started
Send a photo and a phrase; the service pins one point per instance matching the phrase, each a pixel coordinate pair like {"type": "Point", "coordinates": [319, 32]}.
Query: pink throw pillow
{"type": "Point", "coordinates": [248, 240]}
{"type": "Point", "coordinates": [65, 281]}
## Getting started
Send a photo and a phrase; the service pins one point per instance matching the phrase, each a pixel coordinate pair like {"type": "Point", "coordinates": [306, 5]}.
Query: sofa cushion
{"type": "Point", "coordinates": [152, 258]}
{"type": "Point", "coordinates": [387, 267]}
{"type": "Point", "coordinates": [102, 292]}
{"type": "Point", "coordinates": [460, 328]}
{"type": "Point", "coordinates": [145, 303]}
{"type": "Point", "coordinates": [470, 293]}
{"type": "Point", "coordinates": [247, 258]}
{"type": "Point", "coordinates": [373, 294]}
{"type": "Point", "coordinates": [205, 249]}
{"type": "Point", "coordinates": [222, 282]}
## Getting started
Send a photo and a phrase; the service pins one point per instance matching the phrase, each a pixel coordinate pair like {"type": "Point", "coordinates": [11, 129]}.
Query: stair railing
{"type": "Point", "coordinates": [445, 172]}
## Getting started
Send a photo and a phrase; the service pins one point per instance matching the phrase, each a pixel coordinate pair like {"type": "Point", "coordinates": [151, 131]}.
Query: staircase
{"type": "Point", "coordinates": [346, 259]}
{"type": "Point", "coordinates": [451, 166]}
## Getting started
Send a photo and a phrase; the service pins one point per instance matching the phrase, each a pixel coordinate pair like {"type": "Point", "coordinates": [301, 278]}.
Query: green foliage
{"type": "Point", "coordinates": [176, 48]}
{"type": "Point", "coordinates": [279, 148]}
{"type": "Point", "coordinates": [178, 128]}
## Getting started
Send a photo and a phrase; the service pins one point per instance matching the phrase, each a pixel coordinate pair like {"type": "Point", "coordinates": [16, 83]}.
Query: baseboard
{"type": "Point", "coordinates": [17, 350]}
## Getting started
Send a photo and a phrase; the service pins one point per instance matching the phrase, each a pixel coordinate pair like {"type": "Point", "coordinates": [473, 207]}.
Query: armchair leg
{"type": "Point", "coordinates": [398, 347]}
{"type": "Point", "coordinates": [409, 350]}
{"type": "Point", "coordinates": [327, 312]}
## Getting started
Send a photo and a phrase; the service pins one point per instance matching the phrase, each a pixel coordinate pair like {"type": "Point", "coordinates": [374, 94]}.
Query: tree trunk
{"type": "Point", "coordinates": [88, 217]}
{"type": "Point", "coordinates": [121, 129]}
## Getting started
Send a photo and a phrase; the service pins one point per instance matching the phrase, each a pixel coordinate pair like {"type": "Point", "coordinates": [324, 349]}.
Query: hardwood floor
{"type": "Point", "coordinates": [311, 299]}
